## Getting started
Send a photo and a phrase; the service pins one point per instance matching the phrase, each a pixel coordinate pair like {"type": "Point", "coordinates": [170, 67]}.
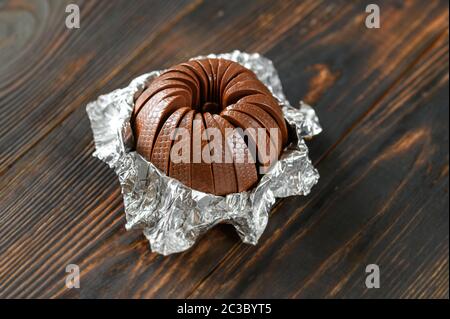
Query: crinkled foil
{"type": "Point", "coordinates": [172, 215]}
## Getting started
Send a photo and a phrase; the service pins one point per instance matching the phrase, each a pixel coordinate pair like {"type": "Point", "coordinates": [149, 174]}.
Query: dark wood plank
{"type": "Point", "coordinates": [86, 225]}
{"type": "Point", "coordinates": [51, 70]}
{"type": "Point", "coordinates": [383, 199]}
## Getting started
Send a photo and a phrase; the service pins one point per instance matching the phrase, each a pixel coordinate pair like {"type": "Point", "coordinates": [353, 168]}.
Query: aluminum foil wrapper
{"type": "Point", "coordinates": [173, 215]}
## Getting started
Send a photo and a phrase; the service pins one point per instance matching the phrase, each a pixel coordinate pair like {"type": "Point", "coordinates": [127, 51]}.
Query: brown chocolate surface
{"type": "Point", "coordinates": [201, 169]}
{"type": "Point", "coordinates": [224, 173]}
{"type": "Point", "coordinates": [202, 94]}
{"type": "Point", "coordinates": [245, 169]}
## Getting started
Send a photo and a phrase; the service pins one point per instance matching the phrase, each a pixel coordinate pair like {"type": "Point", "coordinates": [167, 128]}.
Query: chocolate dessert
{"type": "Point", "coordinates": [195, 97]}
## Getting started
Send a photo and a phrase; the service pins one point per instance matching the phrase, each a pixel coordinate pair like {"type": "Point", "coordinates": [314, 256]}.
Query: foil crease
{"type": "Point", "coordinates": [173, 215]}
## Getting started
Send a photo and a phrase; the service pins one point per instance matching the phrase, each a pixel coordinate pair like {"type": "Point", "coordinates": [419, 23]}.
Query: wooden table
{"type": "Point", "coordinates": [382, 97]}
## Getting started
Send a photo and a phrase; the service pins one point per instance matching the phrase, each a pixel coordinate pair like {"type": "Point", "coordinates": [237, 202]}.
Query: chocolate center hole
{"type": "Point", "coordinates": [211, 107]}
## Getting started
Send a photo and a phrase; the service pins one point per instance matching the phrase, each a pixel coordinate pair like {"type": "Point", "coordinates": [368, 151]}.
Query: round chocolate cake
{"type": "Point", "coordinates": [198, 96]}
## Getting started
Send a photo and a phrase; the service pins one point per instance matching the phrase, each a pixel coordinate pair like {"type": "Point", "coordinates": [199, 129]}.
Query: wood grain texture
{"type": "Point", "coordinates": [374, 209]}
{"type": "Point", "coordinates": [382, 97]}
{"type": "Point", "coordinates": [67, 67]}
